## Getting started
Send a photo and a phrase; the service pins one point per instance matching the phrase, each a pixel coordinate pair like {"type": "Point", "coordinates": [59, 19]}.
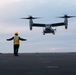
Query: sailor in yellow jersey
{"type": "Point", "coordinates": [16, 42]}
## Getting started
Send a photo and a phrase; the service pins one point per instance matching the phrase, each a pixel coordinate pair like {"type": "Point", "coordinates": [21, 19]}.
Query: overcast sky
{"type": "Point", "coordinates": [12, 10]}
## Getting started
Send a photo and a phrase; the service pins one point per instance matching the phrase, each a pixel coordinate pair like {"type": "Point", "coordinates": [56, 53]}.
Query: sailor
{"type": "Point", "coordinates": [16, 42]}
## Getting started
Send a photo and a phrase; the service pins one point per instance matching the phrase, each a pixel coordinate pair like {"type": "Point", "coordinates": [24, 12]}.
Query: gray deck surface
{"type": "Point", "coordinates": [38, 64]}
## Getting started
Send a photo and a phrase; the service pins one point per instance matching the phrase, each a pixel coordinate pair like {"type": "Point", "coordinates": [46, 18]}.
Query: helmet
{"type": "Point", "coordinates": [16, 33]}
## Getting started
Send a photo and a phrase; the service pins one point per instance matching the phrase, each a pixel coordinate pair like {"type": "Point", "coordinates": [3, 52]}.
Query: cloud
{"type": "Point", "coordinates": [54, 49]}
{"type": "Point", "coordinates": [9, 1]}
{"type": "Point", "coordinates": [5, 28]}
{"type": "Point", "coordinates": [47, 49]}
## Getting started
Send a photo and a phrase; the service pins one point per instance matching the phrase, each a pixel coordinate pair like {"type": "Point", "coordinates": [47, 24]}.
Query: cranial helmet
{"type": "Point", "coordinates": [16, 33]}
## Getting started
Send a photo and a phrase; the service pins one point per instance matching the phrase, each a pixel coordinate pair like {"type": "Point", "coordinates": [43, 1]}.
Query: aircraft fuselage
{"type": "Point", "coordinates": [48, 29]}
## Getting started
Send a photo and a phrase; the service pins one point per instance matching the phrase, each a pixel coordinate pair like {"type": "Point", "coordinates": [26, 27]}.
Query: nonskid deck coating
{"type": "Point", "coordinates": [38, 64]}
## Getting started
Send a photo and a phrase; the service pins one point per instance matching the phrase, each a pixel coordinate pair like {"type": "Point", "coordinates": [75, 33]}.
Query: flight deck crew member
{"type": "Point", "coordinates": [16, 42]}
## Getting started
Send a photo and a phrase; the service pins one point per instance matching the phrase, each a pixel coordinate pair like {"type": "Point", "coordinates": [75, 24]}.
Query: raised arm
{"type": "Point", "coordinates": [22, 39]}
{"type": "Point", "coordinates": [10, 39]}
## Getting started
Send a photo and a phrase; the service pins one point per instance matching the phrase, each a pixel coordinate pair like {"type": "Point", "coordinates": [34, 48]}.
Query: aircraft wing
{"type": "Point", "coordinates": [57, 24]}
{"type": "Point", "coordinates": [38, 25]}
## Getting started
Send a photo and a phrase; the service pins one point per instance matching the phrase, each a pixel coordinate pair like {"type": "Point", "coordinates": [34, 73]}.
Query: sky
{"type": "Point", "coordinates": [12, 10]}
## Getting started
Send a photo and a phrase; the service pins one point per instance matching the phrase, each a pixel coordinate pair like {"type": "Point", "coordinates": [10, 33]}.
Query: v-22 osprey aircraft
{"type": "Point", "coordinates": [48, 28]}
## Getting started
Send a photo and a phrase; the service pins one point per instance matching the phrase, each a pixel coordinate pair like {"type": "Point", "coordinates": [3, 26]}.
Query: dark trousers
{"type": "Point", "coordinates": [16, 47]}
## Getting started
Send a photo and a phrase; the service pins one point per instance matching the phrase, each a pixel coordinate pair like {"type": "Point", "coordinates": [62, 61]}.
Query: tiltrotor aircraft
{"type": "Point", "coordinates": [48, 28]}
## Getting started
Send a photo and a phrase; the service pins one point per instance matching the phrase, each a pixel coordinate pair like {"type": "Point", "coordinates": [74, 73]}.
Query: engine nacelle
{"type": "Point", "coordinates": [66, 26]}
{"type": "Point", "coordinates": [30, 27]}
{"type": "Point", "coordinates": [66, 23]}
{"type": "Point", "coordinates": [31, 24]}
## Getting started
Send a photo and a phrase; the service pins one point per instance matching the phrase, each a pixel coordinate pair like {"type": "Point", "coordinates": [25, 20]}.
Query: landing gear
{"type": "Point", "coordinates": [43, 33]}
{"type": "Point", "coordinates": [54, 33]}
{"type": "Point", "coordinates": [66, 27]}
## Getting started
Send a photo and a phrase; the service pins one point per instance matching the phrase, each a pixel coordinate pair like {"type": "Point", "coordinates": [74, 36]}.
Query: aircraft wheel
{"type": "Point", "coordinates": [53, 33]}
{"type": "Point", "coordinates": [43, 33]}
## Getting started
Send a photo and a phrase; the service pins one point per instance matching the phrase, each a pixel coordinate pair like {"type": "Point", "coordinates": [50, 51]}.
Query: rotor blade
{"type": "Point", "coordinates": [66, 16]}
{"type": "Point", "coordinates": [30, 17]}
{"type": "Point", "coordinates": [23, 18]}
